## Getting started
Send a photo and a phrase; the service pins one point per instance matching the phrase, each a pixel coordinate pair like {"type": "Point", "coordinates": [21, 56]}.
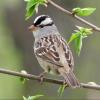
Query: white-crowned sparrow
{"type": "Point", "coordinates": [52, 51]}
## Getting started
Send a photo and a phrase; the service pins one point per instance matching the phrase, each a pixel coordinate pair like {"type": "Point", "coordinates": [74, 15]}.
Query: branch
{"type": "Point", "coordinates": [54, 81]}
{"type": "Point", "coordinates": [94, 27]}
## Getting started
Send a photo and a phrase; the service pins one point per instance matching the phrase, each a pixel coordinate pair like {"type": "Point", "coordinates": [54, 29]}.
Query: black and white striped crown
{"type": "Point", "coordinates": [43, 20]}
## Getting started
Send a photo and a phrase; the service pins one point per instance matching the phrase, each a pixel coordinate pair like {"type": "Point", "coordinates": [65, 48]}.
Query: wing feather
{"type": "Point", "coordinates": [51, 48]}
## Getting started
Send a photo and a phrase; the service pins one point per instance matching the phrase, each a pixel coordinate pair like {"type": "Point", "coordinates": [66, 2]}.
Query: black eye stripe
{"type": "Point", "coordinates": [42, 18]}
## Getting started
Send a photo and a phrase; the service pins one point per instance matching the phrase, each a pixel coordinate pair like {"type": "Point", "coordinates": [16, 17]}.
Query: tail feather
{"type": "Point", "coordinates": [70, 78]}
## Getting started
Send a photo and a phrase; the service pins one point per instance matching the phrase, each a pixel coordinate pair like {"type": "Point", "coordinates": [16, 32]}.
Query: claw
{"type": "Point", "coordinates": [64, 83]}
{"type": "Point", "coordinates": [41, 76]}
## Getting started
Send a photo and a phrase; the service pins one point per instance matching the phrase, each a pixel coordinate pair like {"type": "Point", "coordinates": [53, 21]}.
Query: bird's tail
{"type": "Point", "coordinates": [70, 78]}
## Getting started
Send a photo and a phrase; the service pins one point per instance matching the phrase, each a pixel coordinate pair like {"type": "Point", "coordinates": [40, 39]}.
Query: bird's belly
{"type": "Point", "coordinates": [48, 67]}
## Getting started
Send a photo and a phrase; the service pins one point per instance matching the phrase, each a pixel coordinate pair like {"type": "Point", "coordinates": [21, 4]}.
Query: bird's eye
{"type": "Point", "coordinates": [41, 26]}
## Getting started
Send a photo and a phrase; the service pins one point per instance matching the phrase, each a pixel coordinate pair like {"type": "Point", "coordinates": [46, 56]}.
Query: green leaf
{"type": "Point", "coordinates": [83, 11]}
{"type": "Point", "coordinates": [30, 12]}
{"type": "Point", "coordinates": [24, 98]}
{"type": "Point", "coordinates": [61, 89]}
{"type": "Point", "coordinates": [32, 97]}
{"type": "Point", "coordinates": [32, 7]}
{"type": "Point", "coordinates": [78, 44]}
{"type": "Point", "coordinates": [81, 30]}
{"type": "Point", "coordinates": [35, 97]}
{"type": "Point", "coordinates": [23, 80]}
{"type": "Point", "coordinates": [84, 31]}
{"type": "Point", "coordinates": [73, 37]}
{"type": "Point", "coordinates": [78, 37]}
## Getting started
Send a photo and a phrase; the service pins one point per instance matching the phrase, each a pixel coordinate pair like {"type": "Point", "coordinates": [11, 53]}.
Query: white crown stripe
{"type": "Point", "coordinates": [46, 21]}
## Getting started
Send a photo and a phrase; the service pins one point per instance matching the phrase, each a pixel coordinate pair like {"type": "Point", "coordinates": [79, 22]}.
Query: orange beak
{"type": "Point", "coordinates": [32, 28]}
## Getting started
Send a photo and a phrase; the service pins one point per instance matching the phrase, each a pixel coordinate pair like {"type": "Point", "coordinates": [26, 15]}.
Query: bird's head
{"type": "Point", "coordinates": [41, 21]}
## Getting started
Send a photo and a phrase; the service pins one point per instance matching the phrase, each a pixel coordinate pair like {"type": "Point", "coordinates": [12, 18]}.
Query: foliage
{"type": "Point", "coordinates": [32, 7]}
{"type": "Point", "coordinates": [83, 11]}
{"type": "Point", "coordinates": [61, 89]}
{"type": "Point", "coordinates": [78, 37]}
{"type": "Point", "coordinates": [32, 97]}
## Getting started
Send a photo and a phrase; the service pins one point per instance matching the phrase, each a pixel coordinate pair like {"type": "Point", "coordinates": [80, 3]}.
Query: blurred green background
{"type": "Point", "coordinates": [16, 51]}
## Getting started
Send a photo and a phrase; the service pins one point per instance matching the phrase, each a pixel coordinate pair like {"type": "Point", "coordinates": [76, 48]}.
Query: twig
{"type": "Point", "coordinates": [54, 81]}
{"type": "Point", "coordinates": [94, 27]}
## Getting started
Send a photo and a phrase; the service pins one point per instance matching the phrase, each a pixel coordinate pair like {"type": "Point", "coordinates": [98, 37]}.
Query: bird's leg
{"type": "Point", "coordinates": [65, 83]}
{"type": "Point", "coordinates": [41, 76]}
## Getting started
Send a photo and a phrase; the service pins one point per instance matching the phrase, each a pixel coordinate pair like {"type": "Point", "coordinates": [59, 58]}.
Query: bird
{"type": "Point", "coordinates": [52, 50]}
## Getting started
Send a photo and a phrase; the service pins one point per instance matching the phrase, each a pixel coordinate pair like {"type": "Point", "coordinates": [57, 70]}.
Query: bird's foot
{"type": "Point", "coordinates": [41, 76]}
{"type": "Point", "coordinates": [65, 83]}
